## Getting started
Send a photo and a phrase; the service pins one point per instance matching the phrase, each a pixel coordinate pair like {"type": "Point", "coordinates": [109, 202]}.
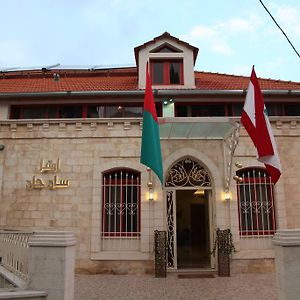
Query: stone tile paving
{"type": "Point", "coordinates": [238, 286]}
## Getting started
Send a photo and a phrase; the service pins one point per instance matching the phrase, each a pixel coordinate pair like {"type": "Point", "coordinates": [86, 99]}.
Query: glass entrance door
{"type": "Point", "coordinates": [192, 229]}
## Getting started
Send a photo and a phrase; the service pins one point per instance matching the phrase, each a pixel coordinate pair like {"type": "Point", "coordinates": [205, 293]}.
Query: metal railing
{"type": "Point", "coordinates": [14, 252]}
{"type": "Point", "coordinates": [160, 249]}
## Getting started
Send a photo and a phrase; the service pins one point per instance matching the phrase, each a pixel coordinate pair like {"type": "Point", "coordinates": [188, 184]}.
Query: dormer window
{"type": "Point", "coordinates": [171, 63]}
{"type": "Point", "coordinates": [166, 72]}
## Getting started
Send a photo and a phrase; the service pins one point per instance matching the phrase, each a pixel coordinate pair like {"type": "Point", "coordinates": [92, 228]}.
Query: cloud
{"type": "Point", "coordinates": [210, 36]}
{"type": "Point", "coordinates": [222, 48]}
{"type": "Point", "coordinates": [201, 32]}
{"type": "Point", "coordinates": [219, 36]}
{"type": "Point", "coordinates": [289, 19]}
{"type": "Point", "coordinates": [236, 25]}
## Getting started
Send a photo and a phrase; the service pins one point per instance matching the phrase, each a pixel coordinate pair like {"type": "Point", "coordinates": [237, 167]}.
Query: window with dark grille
{"type": "Point", "coordinates": [121, 203]}
{"type": "Point", "coordinates": [255, 202]}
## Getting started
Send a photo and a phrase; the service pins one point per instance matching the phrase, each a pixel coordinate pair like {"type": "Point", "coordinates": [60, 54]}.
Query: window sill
{"type": "Point", "coordinates": [118, 255]}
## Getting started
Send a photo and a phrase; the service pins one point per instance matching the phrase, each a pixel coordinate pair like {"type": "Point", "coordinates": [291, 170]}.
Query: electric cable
{"type": "Point", "coordinates": [279, 28]}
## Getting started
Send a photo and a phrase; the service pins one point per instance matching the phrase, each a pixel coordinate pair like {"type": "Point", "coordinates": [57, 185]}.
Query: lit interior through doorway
{"type": "Point", "coordinates": [192, 229]}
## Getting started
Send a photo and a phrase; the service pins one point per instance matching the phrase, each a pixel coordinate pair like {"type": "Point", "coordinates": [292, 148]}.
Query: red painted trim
{"type": "Point", "coordinates": [257, 232]}
{"type": "Point", "coordinates": [84, 111]}
{"type": "Point", "coordinates": [181, 74]}
{"type": "Point", "coordinates": [166, 72]}
{"type": "Point", "coordinates": [117, 234]}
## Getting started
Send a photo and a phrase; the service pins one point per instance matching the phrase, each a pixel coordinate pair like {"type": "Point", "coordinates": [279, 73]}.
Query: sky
{"type": "Point", "coordinates": [231, 35]}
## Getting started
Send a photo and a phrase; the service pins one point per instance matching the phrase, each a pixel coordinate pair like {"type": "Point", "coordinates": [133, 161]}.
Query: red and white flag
{"type": "Point", "coordinates": [256, 122]}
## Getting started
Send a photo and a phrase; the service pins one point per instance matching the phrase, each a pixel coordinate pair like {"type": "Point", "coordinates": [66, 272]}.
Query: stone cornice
{"type": "Point", "coordinates": [287, 238]}
{"type": "Point", "coordinates": [52, 238]}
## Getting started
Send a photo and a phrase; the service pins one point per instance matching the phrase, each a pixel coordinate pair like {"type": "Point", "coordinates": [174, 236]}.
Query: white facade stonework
{"type": "Point", "coordinates": [86, 153]}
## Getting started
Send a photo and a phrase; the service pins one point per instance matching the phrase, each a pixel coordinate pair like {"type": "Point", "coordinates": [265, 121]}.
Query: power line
{"type": "Point", "coordinates": [279, 28]}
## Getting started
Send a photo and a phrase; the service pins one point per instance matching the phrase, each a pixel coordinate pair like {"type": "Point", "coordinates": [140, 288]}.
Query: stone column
{"type": "Point", "coordinates": [51, 263]}
{"type": "Point", "coordinates": [287, 261]}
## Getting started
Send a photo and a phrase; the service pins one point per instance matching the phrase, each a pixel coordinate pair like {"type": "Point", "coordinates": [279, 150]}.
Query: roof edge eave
{"type": "Point", "coordinates": [156, 92]}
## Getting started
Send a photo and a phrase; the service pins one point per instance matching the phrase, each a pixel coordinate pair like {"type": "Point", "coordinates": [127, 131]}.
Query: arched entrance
{"type": "Point", "coordinates": [189, 215]}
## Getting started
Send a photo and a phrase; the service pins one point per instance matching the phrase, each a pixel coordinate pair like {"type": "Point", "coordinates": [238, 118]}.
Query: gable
{"type": "Point", "coordinates": [166, 48]}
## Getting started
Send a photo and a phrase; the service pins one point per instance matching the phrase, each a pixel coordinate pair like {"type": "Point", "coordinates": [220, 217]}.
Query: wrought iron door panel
{"type": "Point", "coordinates": [171, 232]}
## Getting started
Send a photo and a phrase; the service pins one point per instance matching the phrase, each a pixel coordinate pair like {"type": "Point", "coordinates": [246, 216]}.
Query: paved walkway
{"type": "Point", "coordinates": [241, 286]}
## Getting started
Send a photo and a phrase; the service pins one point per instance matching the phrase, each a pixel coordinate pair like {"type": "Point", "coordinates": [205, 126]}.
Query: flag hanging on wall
{"type": "Point", "coordinates": [256, 122]}
{"type": "Point", "coordinates": [150, 150]}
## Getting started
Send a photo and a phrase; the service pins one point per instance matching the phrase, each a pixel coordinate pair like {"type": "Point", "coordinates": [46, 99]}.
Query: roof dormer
{"type": "Point", "coordinates": [171, 62]}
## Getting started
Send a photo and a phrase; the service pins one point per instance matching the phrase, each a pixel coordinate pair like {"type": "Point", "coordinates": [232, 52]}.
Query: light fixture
{"type": "Point", "coordinates": [199, 193]}
{"type": "Point", "coordinates": [151, 194]}
{"type": "Point", "coordinates": [150, 186]}
{"type": "Point", "coordinates": [165, 102]}
{"type": "Point", "coordinates": [227, 196]}
{"type": "Point", "coordinates": [171, 100]}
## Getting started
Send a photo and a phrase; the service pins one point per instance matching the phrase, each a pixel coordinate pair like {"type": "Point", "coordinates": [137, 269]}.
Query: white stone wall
{"type": "Point", "coordinates": [87, 148]}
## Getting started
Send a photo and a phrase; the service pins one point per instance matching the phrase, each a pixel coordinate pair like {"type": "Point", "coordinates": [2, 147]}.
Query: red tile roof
{"type": "Point", "coordinates": [120, 80]}
{"type": "Point", "coordinates": [216, 81]}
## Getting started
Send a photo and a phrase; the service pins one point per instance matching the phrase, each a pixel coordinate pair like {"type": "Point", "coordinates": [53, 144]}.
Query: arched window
{"type": "Point", "coordinates": [121, 203]}
{"type": "Point", "coordinates": [255, 202]}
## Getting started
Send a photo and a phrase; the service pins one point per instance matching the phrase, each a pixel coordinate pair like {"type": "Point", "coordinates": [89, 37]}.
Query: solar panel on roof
{"type": "Point", "coordinates": [58, 66]}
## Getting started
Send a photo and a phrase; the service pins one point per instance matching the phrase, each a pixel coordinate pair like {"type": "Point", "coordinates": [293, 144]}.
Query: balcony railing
{"type": "Point", "coordinates": [14, 252]}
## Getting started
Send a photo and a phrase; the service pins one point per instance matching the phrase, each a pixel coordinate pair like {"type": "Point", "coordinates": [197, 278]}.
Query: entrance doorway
{"type": "Point", "coordinates": [189, 217]}
{"type": "Point", "coordinates": [192, 229]}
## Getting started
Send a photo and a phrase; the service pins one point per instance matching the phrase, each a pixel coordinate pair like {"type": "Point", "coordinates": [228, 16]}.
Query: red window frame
{"type": "Point", "coordinates": [17, 110]}
{"type": "Point", "coordinates": [22, 107]}
{"type": "Point", "coordinates": [121, 183]}
{"type": "Point", "coordinates": [254, 184]}
{"type": "Point", "coordinates": [166, 71]}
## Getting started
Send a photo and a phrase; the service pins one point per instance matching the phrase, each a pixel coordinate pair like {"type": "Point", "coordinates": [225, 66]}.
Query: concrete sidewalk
{"type": "Point", "coordinates": [238, 286]}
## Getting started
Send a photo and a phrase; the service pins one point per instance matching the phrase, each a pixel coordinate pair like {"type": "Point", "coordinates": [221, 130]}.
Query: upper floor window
{"type": "Point", "coordinates": [114, 111]}
{"type": "Point", "coordinates": [201, 110]}
{"type": "Point", "coordinates": [205, 109]}
{"type": "Point", "coordinates": [167, 72]}
{"type": "Point", "coordinates": [255, 202]}
{"type": "Point", "coordinates": [122, 110]}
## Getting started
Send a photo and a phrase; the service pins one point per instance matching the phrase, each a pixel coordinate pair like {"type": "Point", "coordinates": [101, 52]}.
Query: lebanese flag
{"type": "Point", "coordinates": [256, 122]}
{"type": "Point", "coordinates": [150, 148]}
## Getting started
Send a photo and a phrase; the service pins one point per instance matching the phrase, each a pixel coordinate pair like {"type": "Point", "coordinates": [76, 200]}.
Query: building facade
{"type": "Point", "coordinates": [70, 160]}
